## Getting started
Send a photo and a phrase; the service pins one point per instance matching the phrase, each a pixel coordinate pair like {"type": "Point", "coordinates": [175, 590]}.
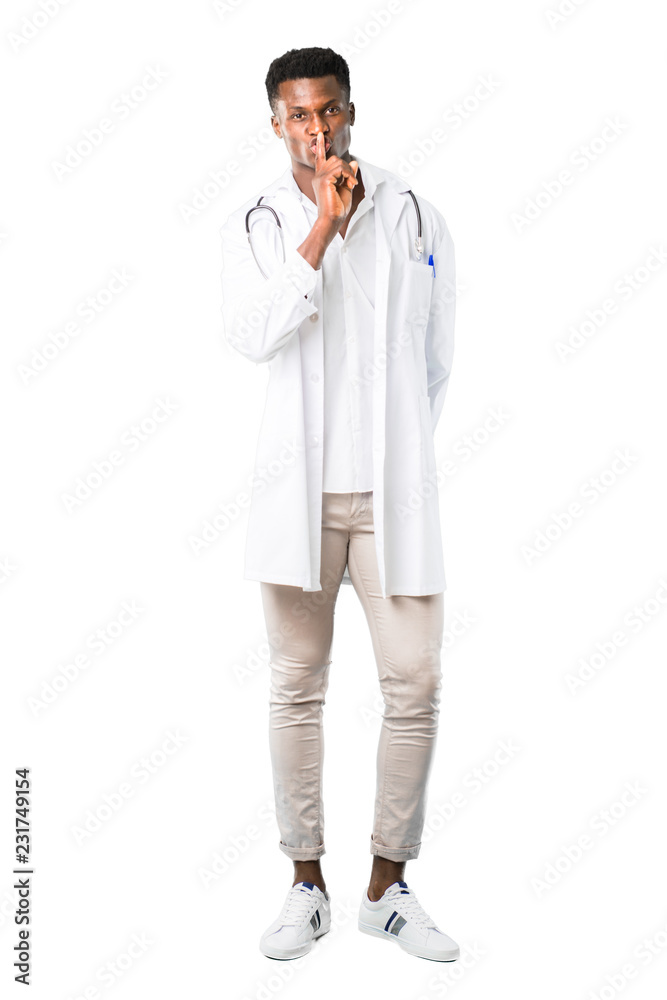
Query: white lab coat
{"type": "Point", "coordinates": [270, 321]}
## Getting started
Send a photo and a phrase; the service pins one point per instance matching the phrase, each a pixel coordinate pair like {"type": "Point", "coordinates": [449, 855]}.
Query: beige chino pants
{"type": "Point", "coordinates": [407, 635]}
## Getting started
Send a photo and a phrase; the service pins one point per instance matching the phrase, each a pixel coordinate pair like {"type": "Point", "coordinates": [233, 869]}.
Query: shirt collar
{"type": "Point", "coordinates": [370, 180]}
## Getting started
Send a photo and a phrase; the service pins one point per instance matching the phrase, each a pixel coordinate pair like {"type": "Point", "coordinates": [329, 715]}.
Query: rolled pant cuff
{"type": "Point", "coordinates": [302, 853]}
{"type": "Point", "coordinates": [395, 853]}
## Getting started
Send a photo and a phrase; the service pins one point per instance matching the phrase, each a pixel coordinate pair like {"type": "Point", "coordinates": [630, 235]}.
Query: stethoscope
{"type": "Point", "coordinates": [418, 244]}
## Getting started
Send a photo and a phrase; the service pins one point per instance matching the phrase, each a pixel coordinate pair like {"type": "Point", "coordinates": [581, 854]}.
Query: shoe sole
{"type": "Point", "coordinates": [296, 952]}
{"type": "Point", "coordinates": [412, 949]}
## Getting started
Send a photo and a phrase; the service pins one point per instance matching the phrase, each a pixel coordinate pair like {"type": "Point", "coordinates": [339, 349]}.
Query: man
{"type": "Point", "coordinates": [356, 324]}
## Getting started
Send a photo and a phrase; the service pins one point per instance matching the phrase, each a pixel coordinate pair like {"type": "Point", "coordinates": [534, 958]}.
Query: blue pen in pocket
{"type": "Point", "coordinates": [430, 260]}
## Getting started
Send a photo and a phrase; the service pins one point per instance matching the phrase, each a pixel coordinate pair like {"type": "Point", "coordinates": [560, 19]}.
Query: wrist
{"type": "Point", "coordinates": [327, 226]}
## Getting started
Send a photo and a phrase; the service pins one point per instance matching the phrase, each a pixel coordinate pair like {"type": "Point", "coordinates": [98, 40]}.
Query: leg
{"type": "Point", "coordinates": [300, 631]}
{"type": "Point", "coordinates": [407, 638]}
{"type": "Point", "coordinates": [384, 873]}
{"type": "Point", "coordinates": [309, 871]}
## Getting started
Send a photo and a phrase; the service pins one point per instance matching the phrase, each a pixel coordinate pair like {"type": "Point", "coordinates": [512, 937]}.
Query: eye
{"type": "Point", "coordinates": [332, 107]}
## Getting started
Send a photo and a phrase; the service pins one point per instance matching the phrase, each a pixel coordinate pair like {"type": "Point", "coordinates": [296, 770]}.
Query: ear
{"type": "Point", "coordinates": [275, 124]}
{"type": "Point", "coordinates": [352, 112]}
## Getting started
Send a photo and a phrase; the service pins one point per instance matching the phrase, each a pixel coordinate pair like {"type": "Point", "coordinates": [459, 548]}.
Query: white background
{"type": "Point", "coordinates": [193, 659]}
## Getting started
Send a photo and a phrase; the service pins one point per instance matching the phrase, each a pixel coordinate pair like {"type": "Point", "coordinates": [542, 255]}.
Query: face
{"type": "Point", "coordinates": [306, 106]}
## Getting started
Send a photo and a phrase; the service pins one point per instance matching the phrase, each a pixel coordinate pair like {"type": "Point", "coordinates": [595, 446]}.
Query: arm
{"type": "Point", "coordinates": [439, 344]}
{"type": "Point", "coordinates": [260, 315]}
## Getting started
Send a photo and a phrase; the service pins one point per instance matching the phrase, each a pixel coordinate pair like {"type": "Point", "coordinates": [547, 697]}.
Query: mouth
{"type": "Point", "coordinates": [327, 145]}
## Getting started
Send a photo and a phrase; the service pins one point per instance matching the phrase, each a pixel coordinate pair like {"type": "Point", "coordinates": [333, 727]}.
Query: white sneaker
{"type": "Point", "coordinates": [306, 914]}
{"type": "Point", "coordinates": [398, 916]}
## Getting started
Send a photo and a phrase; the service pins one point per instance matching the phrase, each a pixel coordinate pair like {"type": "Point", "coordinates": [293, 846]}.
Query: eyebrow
{"type": "Point", "coordinates": [297, 107]}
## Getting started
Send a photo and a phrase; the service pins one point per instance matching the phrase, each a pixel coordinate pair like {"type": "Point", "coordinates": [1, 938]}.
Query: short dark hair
{"type": "Point", "coordinates": [297, 64]}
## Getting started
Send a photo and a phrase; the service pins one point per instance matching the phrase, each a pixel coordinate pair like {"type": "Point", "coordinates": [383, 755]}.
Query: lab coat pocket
{"type": "Point", "coordinates": [418, 278]}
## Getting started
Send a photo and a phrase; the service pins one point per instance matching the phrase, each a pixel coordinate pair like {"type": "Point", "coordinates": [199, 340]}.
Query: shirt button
{"type": "Point", "coordinates": [313, 318]}
{"type": "Point", "coordinates": [315, 440]}
{"type": "Point", "coordinates": [314, 377]}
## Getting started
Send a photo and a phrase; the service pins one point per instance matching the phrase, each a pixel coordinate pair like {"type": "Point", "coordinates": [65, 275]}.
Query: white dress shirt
{"type": "Point", "coordinates": [348, 291]}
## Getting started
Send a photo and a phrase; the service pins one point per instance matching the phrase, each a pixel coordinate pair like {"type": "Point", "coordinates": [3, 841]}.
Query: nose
{"type": "Point", "coordinates": [319, 125]}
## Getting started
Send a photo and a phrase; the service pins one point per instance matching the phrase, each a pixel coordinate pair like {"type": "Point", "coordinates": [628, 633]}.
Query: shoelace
{"type": "Point", "coordinates": [298, 906]}
{"type": "Point", "coordinates": [407, 904]}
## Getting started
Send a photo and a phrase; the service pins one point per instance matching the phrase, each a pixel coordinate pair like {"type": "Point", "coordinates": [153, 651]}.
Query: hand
{"type": "Point", "coordinates": [333, 184]}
